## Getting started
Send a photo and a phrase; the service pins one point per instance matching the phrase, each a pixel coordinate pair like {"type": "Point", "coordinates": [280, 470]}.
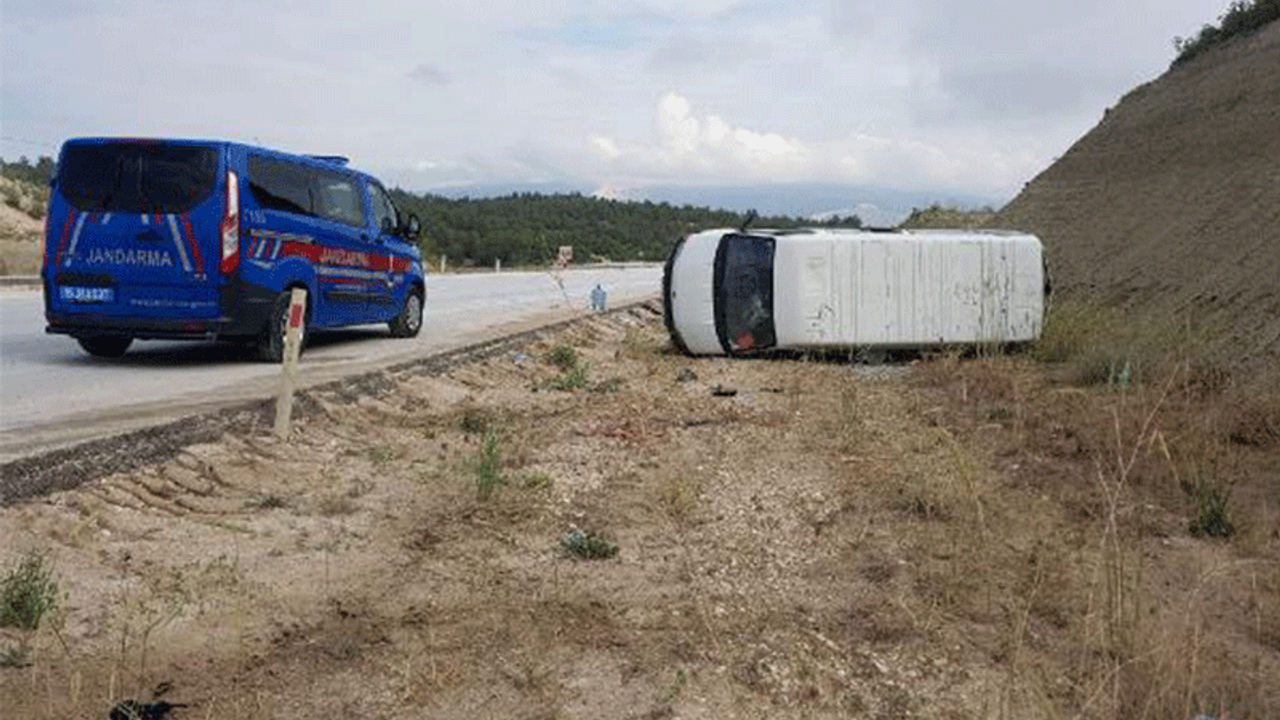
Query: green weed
{"type": "Point", "coordinates": [1212, 516]}
{"type": "Point", "coordinates": [487, 465]}
{"type": "Point", "coordinates": [574, 378]}
{"type": "Point", "coordinates": [564, 357]}
{"type": "Point", "coordinates": [27, 593]}
{"type": "Point", "coordinates": [265, 502]}
{"type": "Point", "coordinates": [537, 481]}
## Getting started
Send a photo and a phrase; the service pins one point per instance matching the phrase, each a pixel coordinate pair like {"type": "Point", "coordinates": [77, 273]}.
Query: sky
{"type": "Point", "coordinates": [932, 96]}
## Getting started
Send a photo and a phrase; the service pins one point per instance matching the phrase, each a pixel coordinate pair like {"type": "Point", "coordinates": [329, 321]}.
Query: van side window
{"type": "Point", "coordinates": [280, 185]}
{"type": "Point", "coordinates": [383, 208]}
{"type": "Point", "coordinates": [338, 198]}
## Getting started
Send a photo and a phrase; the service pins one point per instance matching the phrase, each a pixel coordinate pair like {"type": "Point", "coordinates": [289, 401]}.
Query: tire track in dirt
{"type": "Point", "coordinates": [71, 467]}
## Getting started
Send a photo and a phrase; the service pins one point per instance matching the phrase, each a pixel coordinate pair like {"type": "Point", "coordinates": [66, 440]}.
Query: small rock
{"type": "Point", "coordinates": [686, 375]}
{"type": "Point", "coordinates": [722, 391]}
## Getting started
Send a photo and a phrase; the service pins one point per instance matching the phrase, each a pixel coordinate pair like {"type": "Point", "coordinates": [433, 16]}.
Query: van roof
{"type": "Point", "coordinates": [823, 233]}
{"type": "Point", "coordinates": [338, 160]}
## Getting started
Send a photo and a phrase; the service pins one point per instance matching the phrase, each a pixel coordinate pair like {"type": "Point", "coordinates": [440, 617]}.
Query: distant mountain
{"type": "Point", "coordinates": [876, 206]}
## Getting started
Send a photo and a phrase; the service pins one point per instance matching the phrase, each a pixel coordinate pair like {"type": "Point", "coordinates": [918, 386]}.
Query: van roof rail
{"type": "Point", "coordinates": [335, 159]}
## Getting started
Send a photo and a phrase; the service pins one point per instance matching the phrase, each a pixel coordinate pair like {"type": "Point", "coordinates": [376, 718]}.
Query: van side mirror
{"type": "Point", "coordinates": [412, 228]}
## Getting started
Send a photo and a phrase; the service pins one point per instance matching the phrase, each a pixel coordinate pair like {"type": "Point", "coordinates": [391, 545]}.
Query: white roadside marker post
{"type": "Point", "coordinates": [289, 368]}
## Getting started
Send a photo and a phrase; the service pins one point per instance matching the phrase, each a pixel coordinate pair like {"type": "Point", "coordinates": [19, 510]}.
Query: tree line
{"type": "Point", "coordinates": [529, 228]}
{"type": "Point", "coordinates": [37, 174]}
{"type": "Point", "coordinates": [1241, 18]}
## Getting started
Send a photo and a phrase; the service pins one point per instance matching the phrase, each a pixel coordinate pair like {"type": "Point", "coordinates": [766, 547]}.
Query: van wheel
{"type": "Point", "coordinates": [108, 346]}
{"type": "Point", "coordinates": [409, 321]}
{"type": "Point", "coordinates": [271, 341]}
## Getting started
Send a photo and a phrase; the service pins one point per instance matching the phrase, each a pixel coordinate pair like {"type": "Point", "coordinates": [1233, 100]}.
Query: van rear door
{"type": "Point", "coordinates": [133, 230]}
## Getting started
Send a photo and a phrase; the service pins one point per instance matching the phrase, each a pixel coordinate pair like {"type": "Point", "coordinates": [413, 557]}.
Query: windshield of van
{"type": "Point", "coordinates": [137, 177]}
{"type": "Point", "coordinates": [744, 293]}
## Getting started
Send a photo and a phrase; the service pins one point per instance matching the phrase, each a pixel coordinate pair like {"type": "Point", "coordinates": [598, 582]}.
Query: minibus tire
{"type": "Point", "coordinates": [271, 341]}
{"type": "Point", "coordinates": [107, 346]}
{"type": "Point", "coordinates": [409, 321]}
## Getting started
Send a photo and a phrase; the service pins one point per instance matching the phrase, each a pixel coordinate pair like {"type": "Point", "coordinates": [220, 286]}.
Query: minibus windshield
{"type": "Point", "coordinates": [744, 293]}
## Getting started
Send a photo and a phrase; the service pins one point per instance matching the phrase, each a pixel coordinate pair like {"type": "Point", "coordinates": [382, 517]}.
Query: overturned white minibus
{"type": "Point", "coordinates": [730, 292]}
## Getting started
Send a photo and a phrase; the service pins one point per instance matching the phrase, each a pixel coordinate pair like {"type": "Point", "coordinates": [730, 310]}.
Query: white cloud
{"type": "Point", "coordinates": [703, 148]}
{"type": "Point", "coordinates": [687, 146]}
{"type": "Point", "coordinates": [916, 94]}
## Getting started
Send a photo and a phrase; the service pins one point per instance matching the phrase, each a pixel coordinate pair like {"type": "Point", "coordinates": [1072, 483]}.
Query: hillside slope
{"type": "Point", "coordinates": [1170, 206]}
{"type": "Point", "coordinates": [20, 227]}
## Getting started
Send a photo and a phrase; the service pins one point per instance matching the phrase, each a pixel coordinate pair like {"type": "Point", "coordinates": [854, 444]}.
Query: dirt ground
{"type": "Point", "coordinates": [795, 538]}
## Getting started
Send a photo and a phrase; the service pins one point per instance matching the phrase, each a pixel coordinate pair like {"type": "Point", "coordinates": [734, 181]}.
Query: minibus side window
{"type": "Point", "coordinates": [744, 293]}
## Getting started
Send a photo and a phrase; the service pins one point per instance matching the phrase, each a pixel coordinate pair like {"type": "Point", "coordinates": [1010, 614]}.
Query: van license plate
{"type": "Point", "coordinates": [88, 294]}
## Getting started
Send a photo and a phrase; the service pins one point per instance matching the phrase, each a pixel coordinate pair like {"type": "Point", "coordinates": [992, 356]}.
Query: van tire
{"type": "Point", "coordinates": [409, 321]}
{"type": "Point", "coordinates": [107, 346]}
{"type": "Point", "coordinates": [271, 341]}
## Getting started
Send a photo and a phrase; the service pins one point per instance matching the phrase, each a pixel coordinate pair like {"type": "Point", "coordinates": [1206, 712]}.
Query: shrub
{"type": "Point", "coordinates": [573, 371]}
{"type": "Point", "coordinates": [587, 546]}
{"type": "Point", "coordinates": [564, 357]}
{"type": "Point", "coordinates": [1241, 18]}
{"type": "Point", "coordinates": [27, 593]}
{"type": "Point", "coordinates": [476, 421]}
{"type": "Point", "coordinates": [1069, 331]}
{"type": "Point", "coordinates": [11, 197]}
{"type": "Point", "coordinates": [938, 216]}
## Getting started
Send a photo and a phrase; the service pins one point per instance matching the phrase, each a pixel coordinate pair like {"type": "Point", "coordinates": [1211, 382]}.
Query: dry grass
{"type": "Point", "coordinates": [981, 539]}
{"type": "Point", "coordinates": [1139, 464]}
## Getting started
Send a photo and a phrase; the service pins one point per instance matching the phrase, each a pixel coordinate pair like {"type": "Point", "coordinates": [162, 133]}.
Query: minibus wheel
{"type": "Point", "coordinates": [108, 346]}
{"type": "Point", "coordinates": [409, 321]}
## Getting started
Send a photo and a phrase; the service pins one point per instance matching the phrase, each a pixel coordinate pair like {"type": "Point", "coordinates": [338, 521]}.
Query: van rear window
{"type": "Point", "coordinates": [134, 177]}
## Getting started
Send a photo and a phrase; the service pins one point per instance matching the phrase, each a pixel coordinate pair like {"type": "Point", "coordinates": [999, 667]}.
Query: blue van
{"type": "Point", "coordinates": [203, 240]}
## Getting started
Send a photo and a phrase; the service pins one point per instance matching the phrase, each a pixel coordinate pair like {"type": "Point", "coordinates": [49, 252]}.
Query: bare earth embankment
{"type": "Point", "coordinates": [951, 539]}
{"type": "Point", "coordinates": [1170, 207]}
{"type": "Point", "coordinates": [21, 240]}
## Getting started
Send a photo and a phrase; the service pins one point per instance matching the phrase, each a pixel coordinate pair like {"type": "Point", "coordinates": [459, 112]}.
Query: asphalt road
{"type": "Point", "coordinates": [52, 394]}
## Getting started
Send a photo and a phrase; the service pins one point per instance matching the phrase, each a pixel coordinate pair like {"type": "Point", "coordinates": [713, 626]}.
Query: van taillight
{"type": "Point", "coordinates": [230, 227]}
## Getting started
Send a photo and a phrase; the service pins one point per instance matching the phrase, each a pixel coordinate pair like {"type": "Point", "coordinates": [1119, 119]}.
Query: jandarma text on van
{"type": "Point", "coordinates": [118, 256]}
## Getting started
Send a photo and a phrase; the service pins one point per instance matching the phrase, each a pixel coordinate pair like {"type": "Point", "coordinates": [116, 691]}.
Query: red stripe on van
{"type": "Point", "coordinates": [189, 232]}
{"type": "Point", "coordinates": [66, 235]}
{"type": "Point", "coordinates": [314, 253]}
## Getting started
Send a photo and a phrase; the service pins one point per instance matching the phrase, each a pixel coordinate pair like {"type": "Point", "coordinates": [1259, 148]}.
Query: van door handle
{"type": "Point", "coordinates": [149, 236]}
